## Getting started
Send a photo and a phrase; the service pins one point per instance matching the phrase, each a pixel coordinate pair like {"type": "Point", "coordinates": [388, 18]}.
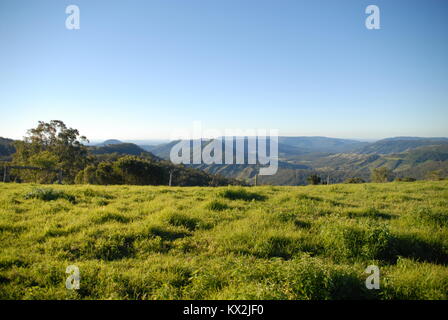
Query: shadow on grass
{"type": "Point", "coordinates": [242, 194]}
{"type": "Point", "coordinates": [370, 213]}
{"type": "Point", "coordinates": [303, 196]}
{"type": "Point", "coordinates": [302, 224]}
{"type": "Point", "coordinates": [48, 194]}
{"type": "Point", "coordinates": [111, 217]}
{"type": "Point", "coordinates": [409, 246]}
{"type": "Point", "coordinates": [167, 234]}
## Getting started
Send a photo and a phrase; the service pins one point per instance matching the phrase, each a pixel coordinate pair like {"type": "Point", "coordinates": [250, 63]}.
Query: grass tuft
{"type": "Point", "coordinates": [49, 195]}
{"type": "Point", "coordinates": [242, 194]}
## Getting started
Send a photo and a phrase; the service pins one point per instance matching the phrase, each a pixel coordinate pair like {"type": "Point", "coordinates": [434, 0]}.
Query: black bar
{"type": "Point", "coordinates": [235, 309]}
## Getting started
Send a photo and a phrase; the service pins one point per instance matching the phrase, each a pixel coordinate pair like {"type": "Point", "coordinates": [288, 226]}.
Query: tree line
{"type": "Point", "coordinates": [55, 147]}
{"type": "Point", "coordinates": [377, 175]}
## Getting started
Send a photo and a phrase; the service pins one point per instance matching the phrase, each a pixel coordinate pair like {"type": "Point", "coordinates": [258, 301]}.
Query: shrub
{"type": "Point", "coordinates": [354, 180]}
{"type": "Point", "coordinates": [314, 179]}
{"type": "Point", "coordinates": [405, 179]}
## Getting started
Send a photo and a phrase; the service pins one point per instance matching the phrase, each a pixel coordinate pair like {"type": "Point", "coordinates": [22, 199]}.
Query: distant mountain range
{"type": "Point", "coordinates": [294, 146]}
{"type": "Point", "coordinates": [150, 142]}
{"type": "Point", "coordinates": [396, 145]}
{"type": "Point", "coordinates": [288, 146]}
{"type": "Point", "coordinates": [120, 148]}
{"type": "Point", "coordinates": [336, 159]}
{"type": "Point", "coordinates": [321, 144]}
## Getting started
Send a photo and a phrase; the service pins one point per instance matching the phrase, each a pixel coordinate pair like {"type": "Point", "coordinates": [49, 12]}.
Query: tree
{"type": "Point", "coordinates": [381, 175]}
{"type": "Point", "coordinates": [314, 179]}
{"type": "Point", "coordinates": [405, 179]}
{"type": "Point", "coordinates": [55, 141]}
{"type": "Point", "coordinates": [139, 171]}
{"type": "Point", "coordinates": [354, 180]}
{"type": "Point", "coordinates": [434, 175]}
{"type": "Point", "coordinates": [87, 175]}
{"type": "Point", "coordinates": [107, 174]}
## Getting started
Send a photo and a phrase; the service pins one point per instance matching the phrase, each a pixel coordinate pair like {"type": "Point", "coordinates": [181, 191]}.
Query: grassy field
{"type": "Point", "coordinates": [309, 242]}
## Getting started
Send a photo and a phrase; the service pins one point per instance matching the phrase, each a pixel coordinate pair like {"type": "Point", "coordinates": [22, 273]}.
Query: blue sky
{"type": "Point", "coordinates": [140, 69]}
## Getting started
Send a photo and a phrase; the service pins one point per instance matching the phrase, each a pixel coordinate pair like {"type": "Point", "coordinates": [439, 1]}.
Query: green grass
{"type": "Point", "coordinates": [309, 242]}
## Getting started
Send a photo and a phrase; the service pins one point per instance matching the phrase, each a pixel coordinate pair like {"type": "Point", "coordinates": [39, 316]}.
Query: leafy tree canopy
{"type": "Point", "coordinates": [53, 145]}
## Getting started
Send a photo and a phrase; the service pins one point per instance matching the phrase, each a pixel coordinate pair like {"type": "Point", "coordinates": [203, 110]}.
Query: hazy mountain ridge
{"type": "Point", "coordinates": [120, 148]}
{"type": "Point", "coordinates": [400, 144]}
{"type": "Point", "coordinates": [109, 142]}
{"type": "Point", "coordinates": [322, 144]}
{"type": "Point", "coordinates": [338, 159]}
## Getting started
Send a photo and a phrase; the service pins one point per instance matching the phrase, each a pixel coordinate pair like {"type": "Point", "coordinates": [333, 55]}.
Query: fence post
{"type": "Point", "coordinates": [6, 177]}
{"type": "Point", "coordinates": [60, 176]}
{"type": "Point", "coordinates": [171, 177]}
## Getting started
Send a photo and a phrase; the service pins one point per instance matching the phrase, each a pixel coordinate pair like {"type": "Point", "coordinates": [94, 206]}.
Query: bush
{"type": "Point", "coordinates": [314, 179]}
{"type": "Point", "coordinates": [405, 179]}
{"type": "Point", "coordinates": [354, 180]}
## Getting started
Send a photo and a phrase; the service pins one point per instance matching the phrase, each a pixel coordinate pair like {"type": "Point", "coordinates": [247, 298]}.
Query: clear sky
{"type": "Point", "coordinates": [140, 69]}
